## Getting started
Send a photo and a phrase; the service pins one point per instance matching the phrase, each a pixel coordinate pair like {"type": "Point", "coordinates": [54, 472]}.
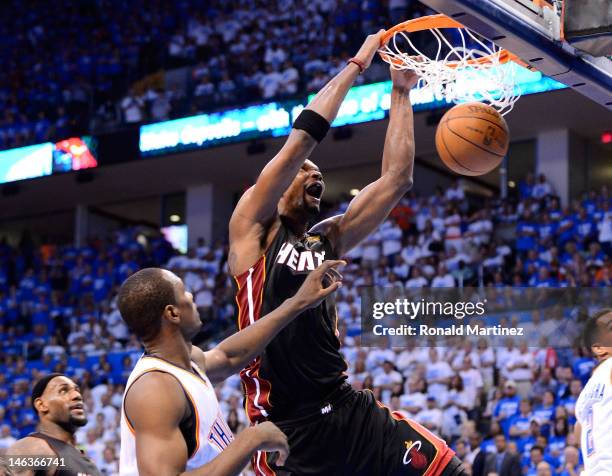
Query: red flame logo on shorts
{"type": "Point", "coordinates": [413, 456]}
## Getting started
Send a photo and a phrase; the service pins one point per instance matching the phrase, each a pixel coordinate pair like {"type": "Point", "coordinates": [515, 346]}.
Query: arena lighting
{"type": "Point", "coordinates": [369, 102]}
{"type": "Point", "coordinates": [606, 137]}
{"type": "Point", "coordinates": [353, 192]}
{"type": "Point", "coordinates": [175, 218]}
{"type": "Point", "coordinates": [511, 184]}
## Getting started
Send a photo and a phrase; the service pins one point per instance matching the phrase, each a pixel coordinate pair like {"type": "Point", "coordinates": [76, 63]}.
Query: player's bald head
{"type": "Point", "coordinates": [143, 298]}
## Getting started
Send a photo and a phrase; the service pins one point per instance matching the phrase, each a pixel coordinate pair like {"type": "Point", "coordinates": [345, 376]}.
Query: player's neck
{"type": "Point", "coordinates": [54, 430]}
{"type": "Point", "coordinates": [175, 351]}
{"type": "Point", "coordinates": [297, 224]}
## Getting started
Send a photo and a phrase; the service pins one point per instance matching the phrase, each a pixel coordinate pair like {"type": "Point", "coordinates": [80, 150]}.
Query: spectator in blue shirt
{"type": "Point", "coordinates": [526, 186]}
{"type": "Point", "coordinates": [546, 227]}
{"type": "Point", "coordinates": [508, 405]}
{"type": "Point", "coordinates": [545, 412]}
{"type": "Point", "coordinates": [585, 227]}
{"type": "Point", "coordinates": [566, 229]}
{"type": "Point", "coordinates": [526, 233]}
{"type": "Point", "coordinates": [536, 456]}
{"type": "Point", "coordinates": [519, 424]}
{"type": "Point", "coordinates": [569, 402]}
{"type": "Point", "coordinates": [558, 441]}
{"type": "Point", "coordinates": [582, 366]}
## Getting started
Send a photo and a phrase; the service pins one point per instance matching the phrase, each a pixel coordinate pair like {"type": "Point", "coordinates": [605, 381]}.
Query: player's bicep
{"type": "Point", "coordinates": [160, 447]}
{"type": "Point", "coordinates": [218, 365]}
{"type": "Point", "coordinates": [367, 211]}
{"type": "Point", "coordinates": [161, 454]}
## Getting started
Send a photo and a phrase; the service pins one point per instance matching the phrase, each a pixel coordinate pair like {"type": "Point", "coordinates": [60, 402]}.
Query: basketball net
{"type": "Point", "coordinates": [486, 73]}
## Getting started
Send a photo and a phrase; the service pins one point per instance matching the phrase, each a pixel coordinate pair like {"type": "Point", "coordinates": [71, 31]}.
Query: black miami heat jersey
{"type": "Point", "coordinates": [302, 365]}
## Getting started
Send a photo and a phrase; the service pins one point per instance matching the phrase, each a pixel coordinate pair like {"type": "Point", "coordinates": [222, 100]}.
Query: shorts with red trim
{"type": "Point", "coordinates": [361, 437]}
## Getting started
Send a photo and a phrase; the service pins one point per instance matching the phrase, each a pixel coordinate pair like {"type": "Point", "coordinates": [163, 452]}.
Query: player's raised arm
{"type": "Point", "coordinates": [235, 352]}
{"type": "Point", "coordinates": [374, 203]}
{"type": "Point", "coordinates": [160, 446]}
{"type": "Point", "coordinates": [257, 207]}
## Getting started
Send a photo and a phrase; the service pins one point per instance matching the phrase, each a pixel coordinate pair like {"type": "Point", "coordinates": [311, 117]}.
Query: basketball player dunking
{"type": "Point", "coordinates": [594, 405]}
{"type": "Point", "coordinates": [299, 381]}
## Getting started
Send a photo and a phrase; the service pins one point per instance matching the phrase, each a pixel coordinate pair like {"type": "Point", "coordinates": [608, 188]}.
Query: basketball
{"type": "Point", "coordinates": [472, 139]}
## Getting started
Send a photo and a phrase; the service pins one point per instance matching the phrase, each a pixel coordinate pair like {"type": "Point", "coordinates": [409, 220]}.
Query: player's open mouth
{"type": "Point", "coordinates": [78, 407]}
{"type": "Point", "coordinates": [315, 190]}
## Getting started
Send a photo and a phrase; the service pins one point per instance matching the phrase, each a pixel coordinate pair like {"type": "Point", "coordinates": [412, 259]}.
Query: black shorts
{"type": "Point", "coordinates": [360, 437]}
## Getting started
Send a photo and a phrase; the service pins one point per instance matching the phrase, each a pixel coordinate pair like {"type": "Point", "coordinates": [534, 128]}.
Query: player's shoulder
{"type": "Point", "coordinates": [326, 228]}
{"type": "Point", "coordinates": [30, 445]}
{"type": "Point", "coordinates": [155, 394]}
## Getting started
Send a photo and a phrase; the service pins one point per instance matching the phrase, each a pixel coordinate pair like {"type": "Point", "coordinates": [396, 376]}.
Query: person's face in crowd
{"type": "Point", "coordinates": [475, 440]}
{"type": "Point", "coordinates": [548, 399]}
{"type": "Point", "coordinates": [571, 455]}
{"type": "Point", "coordinates": [461, 449]}
{"type": "Point", "coordinates": [536, 456]}
{"type": "Point", "coordinates": [500, 443]}
{"type": "Point", "coordinates": [525, 407]}
{"type": "Point", "coordinates": [62, 404]}
{"type": "Point", "coordinates": [543, 469]}
{"type": "Point", "coordinates": [431, 403]}
{"type": "Point", "coordinates": [560, 426]}
{"type": "Point", "coordinates": [510, 390]}
{"type": "Point", "coordinates": [575, 387]}
{"type": "Point", "coordinates": [109, 455]}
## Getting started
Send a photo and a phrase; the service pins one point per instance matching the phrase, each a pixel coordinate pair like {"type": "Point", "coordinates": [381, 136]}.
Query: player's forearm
{"type": "Point", "coordinates": [232, 460]}
{"type": "Point", "coordinates": [328, 100]}
{"type": "Point", "coordinates": [242, 347]}
{"type": "Point", "coordinates": [398, 153]}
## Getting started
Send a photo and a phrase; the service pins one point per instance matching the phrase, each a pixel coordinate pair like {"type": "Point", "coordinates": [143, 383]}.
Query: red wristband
{"type": "Point", "coordinates": [359, 64]}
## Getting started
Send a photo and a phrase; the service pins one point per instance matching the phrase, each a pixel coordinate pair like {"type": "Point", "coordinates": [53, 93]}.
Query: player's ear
{"type": "Point", "coordinates": [171, 313]}
{"type": "Point", "coordinates": [41, 406]}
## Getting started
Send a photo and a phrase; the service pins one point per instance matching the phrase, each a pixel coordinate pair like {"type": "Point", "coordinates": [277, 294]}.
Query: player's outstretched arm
{"type": "Point", "coordinates": [235, 352]}
{"type": "Point", "coordinates": [156, 405]}
{"type": "Point", "coordinates": [258, 205]}
{"type": "Point", "coordinates": [374, 203]}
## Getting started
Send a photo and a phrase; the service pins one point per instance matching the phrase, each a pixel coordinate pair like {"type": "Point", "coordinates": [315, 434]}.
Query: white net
{"type": "Point", "coordinates": [471, 71]}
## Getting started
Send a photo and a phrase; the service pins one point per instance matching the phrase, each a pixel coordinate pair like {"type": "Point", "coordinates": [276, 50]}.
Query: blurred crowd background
{"type": "Point", "coordinates": [116, 63]}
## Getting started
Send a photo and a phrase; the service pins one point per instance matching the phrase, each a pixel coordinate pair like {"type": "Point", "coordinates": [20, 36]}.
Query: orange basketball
{"type": "Point", "coordinates": [472, 139]}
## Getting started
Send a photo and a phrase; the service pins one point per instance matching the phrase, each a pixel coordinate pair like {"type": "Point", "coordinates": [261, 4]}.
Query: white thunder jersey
{"type": "Point", "coordinates": [594, 413]}
{"type": "Point", "coordinates": [211, 434]}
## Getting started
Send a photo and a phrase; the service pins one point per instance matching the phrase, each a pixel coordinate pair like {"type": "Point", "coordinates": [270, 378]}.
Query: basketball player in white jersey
{"type": "Point", "coordinates": [594, 405]}
{"type": "Point", "coordinates": [171, 423]}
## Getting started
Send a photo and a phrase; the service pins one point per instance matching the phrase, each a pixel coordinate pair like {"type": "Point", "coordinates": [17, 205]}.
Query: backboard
{"type": "Point", "coordinates": [532, 30]}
